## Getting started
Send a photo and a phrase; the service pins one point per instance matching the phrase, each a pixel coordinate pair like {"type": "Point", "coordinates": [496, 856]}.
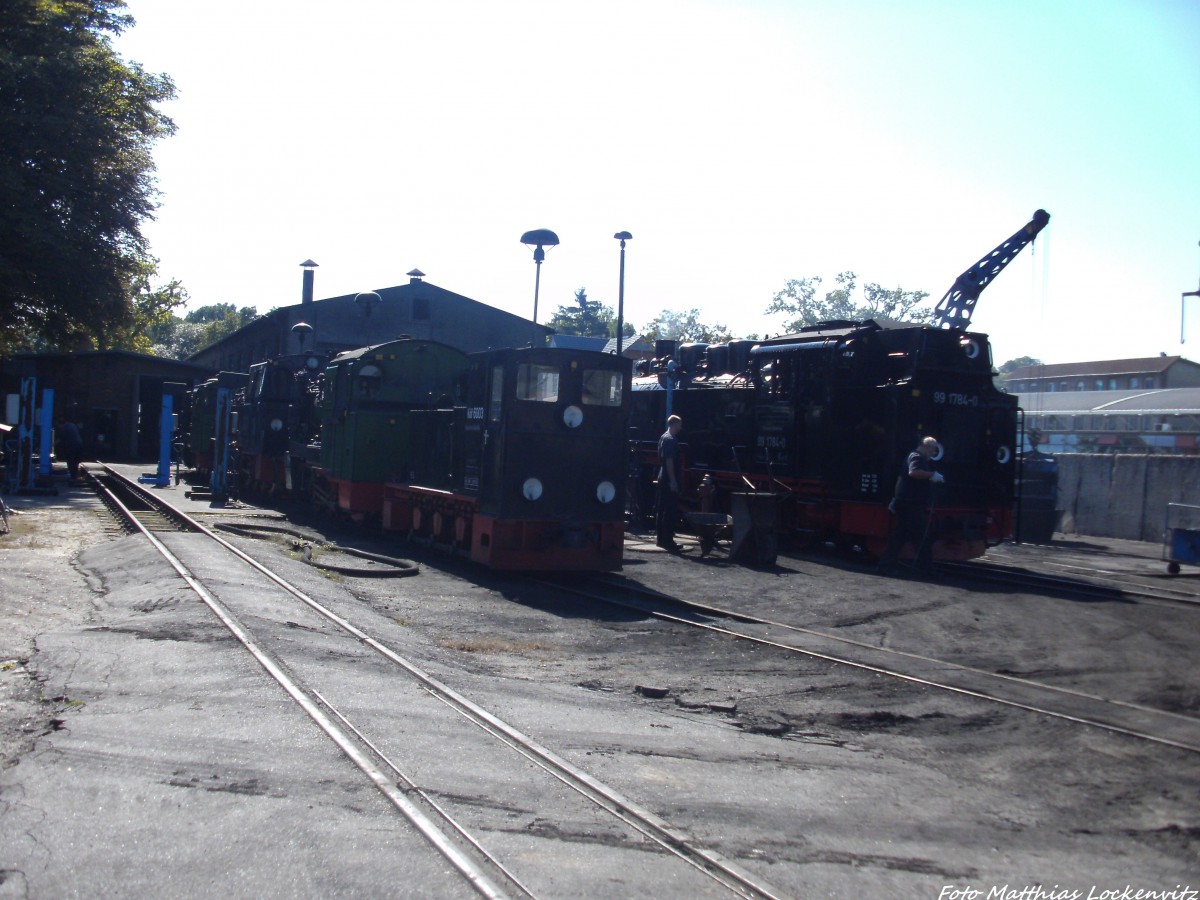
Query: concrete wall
{"type": "Point", "coordinates": [1119, 496]}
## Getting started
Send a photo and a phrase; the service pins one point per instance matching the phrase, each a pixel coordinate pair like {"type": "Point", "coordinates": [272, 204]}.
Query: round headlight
{"type": "Point", "coordinates": [1003, 455]}
{"type": "Point", "coordinates": [572, 416]}
{"type": "Point", "coordinates": [277, 424]}
{"type": "Point", "coordinates": [532, 489]}
{"type": "Point", "coordinates": [605, 491]}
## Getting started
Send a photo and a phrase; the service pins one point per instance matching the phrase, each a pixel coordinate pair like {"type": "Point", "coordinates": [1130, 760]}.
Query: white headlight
{"type": "Point", "coordinates": [572, 416]}
{"type": "Point", "coordinates": [605, 492]}
{"type": "Point", "coordinates": [532, 489]}
{"type": "Point", "coordinates": [277, 424]}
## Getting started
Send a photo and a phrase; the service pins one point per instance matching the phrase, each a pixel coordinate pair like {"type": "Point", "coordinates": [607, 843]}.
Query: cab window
{"type": "Point", "coordinates": [496, 400]}
{"type": "Point", "coordinates": [538, 383]}
{"type": "Point", "coordinates": [601, 388]}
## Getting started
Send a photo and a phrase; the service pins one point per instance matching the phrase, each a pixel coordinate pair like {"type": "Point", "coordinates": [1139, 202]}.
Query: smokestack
{"type": "Point", "coordinates": [306, 294]}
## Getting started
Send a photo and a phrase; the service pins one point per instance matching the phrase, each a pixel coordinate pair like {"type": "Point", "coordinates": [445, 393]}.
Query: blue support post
{"type": "Point", "coordinates": [46, 432]}
{"type": "Point", "coordinates": [221, 442]}
{"type": "Point", "coordinates": [166, 431]}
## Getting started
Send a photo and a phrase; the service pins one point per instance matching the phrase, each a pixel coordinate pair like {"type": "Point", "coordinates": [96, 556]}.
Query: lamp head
{"type": "Point", "coordinates": [367, 299]}
{"type": "Point", "coordinates": [539, 239]}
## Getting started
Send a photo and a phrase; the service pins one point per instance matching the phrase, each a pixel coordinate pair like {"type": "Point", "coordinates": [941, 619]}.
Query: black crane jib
{"type": "Point", "coordinates": [954, 310]}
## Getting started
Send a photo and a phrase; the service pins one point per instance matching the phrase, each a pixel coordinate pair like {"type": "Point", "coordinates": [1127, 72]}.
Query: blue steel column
{"type": "Point", "coordinates": [166, 430]}
{"type": "Point", "coordinates": [220, 470]}
{"type": "Point", "coordinates": [46, 426]}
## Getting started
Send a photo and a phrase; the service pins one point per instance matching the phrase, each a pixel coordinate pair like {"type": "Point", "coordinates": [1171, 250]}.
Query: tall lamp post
{"type": "Point", "coordinates": [621, 236]}
{"type": "Point", "coordinates": [1183, 300]}
{"type": "Point", "coordinates": [539, 239]}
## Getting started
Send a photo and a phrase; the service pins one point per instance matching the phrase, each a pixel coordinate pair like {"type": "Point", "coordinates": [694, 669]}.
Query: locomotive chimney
{"type": "Point", "coordinates": [306, 293]}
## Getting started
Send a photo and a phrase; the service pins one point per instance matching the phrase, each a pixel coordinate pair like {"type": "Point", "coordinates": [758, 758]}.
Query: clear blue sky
{"type": "Point", "coordinates": [741, 143]}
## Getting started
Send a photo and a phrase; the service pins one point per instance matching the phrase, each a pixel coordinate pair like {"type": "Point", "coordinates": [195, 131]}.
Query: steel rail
{"type": "Point", "coordinates": [1000, 573]}
{"type": "Point", "coordinates": [652, 606]}
{"type": "Point", "coordinates": [426, 826]}
{"type": "Point", "coordinates": [716, 867]}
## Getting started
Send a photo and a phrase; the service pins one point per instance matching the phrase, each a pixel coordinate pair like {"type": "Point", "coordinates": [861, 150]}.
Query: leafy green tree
{"type": "Point", "coordinates": [214, 312]}
{"type": "Point", "coordinates": [685, 327]}
{"type": "Point", "coordinates": [799, 300]}
{"type": "Point", "coordinates": [177, 339]}
{"type": "Point", "coordinates": [77, 125]}
{"type": "Point", "coordinates": [232, 320]}
{"type": "Point", "coordinates": [1019, 363]}
{"type": "Point", "coordinates": [588, 318]}
{"type": "Point", "coordinates": [153, 310]}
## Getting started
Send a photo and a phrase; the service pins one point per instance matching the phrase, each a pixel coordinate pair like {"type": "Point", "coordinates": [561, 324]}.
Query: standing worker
{"type": "Point", "coordinates": [914, 493]}
{"type": "Point", "coordinates": [668, 486]}
{"type": "Point", "coordinates": [70, 447]}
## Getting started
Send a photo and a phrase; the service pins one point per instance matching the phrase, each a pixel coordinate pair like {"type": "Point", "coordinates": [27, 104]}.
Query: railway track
{"type": "Point", "coordinates": [367, 738]}
{"type": "Point", "coordinates": [1113, 586]}
{"type": "Point", "coordinates": [1117, 716]}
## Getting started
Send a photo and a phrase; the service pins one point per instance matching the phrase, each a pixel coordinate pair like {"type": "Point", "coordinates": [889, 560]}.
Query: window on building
{"type": "Point", "coordinates": [1099, 384]}
{"type": "Point", "coordinates": [1133, 383]}
{"type": "Point", "coordinates": [1149, 381]}
{"type": "Point", "coordinates": [1081, 386]}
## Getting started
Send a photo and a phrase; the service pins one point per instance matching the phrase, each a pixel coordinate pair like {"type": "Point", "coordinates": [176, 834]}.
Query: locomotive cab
{"type": "Point", "coordinates": [544, 452]}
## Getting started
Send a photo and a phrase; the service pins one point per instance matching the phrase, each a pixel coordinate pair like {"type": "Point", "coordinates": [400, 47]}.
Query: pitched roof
{"type": "Point", "coordinates": [629, 345]}
{"type": "Point", "coordinates": [576, 342]}
{"type": "Point", "coordinates": [1100, 367]}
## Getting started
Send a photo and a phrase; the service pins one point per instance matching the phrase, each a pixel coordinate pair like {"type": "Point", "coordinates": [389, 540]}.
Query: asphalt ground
{"type": "Point", "coordinates": [144, 755]}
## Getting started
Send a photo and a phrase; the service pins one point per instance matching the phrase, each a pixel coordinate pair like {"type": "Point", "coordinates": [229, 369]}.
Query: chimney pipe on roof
{"type": "Point", "coordinates": [306, 293]}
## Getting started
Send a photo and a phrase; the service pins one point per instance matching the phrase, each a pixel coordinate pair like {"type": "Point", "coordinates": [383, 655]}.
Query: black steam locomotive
{"type": "Point", "coordinates": [823, 420]}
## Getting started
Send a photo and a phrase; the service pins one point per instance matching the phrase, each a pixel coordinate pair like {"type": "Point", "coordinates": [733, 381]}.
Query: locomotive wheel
{"type": "Point", "coordinates": [1173, 568]}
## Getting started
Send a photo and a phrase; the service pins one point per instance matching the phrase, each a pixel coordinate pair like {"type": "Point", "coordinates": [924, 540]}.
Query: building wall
{"type": "Point", "coordinates": [110, 394]}
{"type": "Point", "coordinates": [1181, 373]}
{"type": "Point", "coordinates": [1124, 496]}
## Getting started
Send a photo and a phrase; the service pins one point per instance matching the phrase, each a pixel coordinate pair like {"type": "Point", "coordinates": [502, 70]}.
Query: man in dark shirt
{"type": "Point", "coordinates": [914, 491]}
{"type": "Point", "coordinates": [70, 447]}
{"type": "Point", "coordinates": [668, 486]}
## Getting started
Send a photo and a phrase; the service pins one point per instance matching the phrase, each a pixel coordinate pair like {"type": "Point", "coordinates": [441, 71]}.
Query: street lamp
{"type": "Point", "coordinates": [621, 236]}
{"type": "Point", "coordinates": [539, 239]}
{"type": "Point", "coordinates": [303, 331]}
{"type": "Point", "coordinates": [366, 300]}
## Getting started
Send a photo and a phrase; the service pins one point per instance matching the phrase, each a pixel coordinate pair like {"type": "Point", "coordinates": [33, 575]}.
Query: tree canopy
{"type": "Point", "coordinates": [178, 338]}
{"type": "Point", "coordinates": [589, 318]}
{"type": "Point", "coordinates": [1019, 363]}
{"type": "Point", "coordinates": [77, 125]}
{"type": "Point", "coordinates": [685, 327]}
{"type": "Point", "coordinates": [799, 300]}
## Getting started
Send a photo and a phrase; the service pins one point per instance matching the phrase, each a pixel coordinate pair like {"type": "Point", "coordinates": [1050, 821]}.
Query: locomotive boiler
{"type": "Point", "coordinates": [824, 419]}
